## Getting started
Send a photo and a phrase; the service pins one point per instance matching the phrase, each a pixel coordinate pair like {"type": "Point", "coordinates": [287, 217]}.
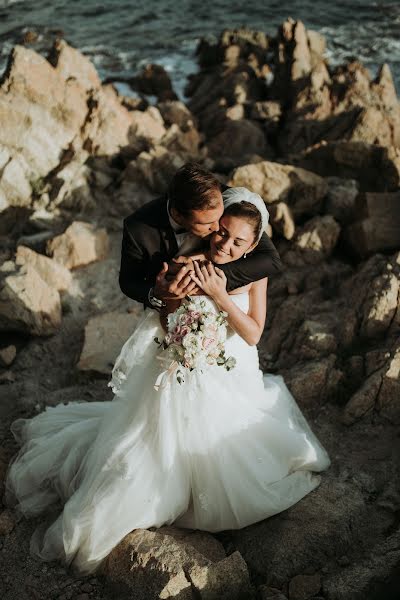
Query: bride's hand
{"type": "Point", "coordinates": [210, 279]}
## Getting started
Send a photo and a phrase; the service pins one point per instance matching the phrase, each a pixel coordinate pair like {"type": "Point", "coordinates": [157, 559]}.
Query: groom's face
{"type": "Point", "coordinates": [205, 221]}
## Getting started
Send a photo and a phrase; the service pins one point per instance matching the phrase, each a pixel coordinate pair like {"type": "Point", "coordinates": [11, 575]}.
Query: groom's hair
{"type": "Point", "coordinates": [192, 188]}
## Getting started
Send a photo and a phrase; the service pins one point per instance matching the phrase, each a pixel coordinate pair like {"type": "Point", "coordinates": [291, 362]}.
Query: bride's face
{"type": "Point", "coordinates": [234, 238]}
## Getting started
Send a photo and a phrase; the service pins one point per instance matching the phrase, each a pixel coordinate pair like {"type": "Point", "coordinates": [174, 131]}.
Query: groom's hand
{"type": "Point", "coordinates": [176, 288]}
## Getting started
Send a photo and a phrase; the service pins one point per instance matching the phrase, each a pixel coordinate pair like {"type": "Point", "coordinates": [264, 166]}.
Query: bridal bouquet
{"type": "Point", "coordinates": [196, 338]}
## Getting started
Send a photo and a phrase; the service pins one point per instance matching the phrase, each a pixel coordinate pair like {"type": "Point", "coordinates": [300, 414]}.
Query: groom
{"type": "Point", "coordinates": [177, 224]}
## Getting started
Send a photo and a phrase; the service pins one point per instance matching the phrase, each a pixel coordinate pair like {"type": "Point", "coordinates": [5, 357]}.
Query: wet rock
{"type": "Point", "coordinates": [7, 355]}
{"type": "Point", "coordinates": [53, 273]}
{"type": "Point", "coordinates": [154, 80]}
{"type": "Point", "coordinates": [300, 189]}
{"type": "Point", "coordinates": [104, 337]}
{"type": "Point", "coordinates": [27, 303]}
{"type": "Point", "coordinates": [80, 244]}
{"type": "Point", "coordinates": [303, 587]}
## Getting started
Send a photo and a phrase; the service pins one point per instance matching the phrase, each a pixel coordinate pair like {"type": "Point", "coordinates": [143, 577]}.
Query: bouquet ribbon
{"type": "Point", "coordinates": [165, 376]}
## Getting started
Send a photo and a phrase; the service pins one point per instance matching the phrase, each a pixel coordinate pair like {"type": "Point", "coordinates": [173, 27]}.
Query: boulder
{"type": "Point", "coordinates": [176, 112]}
{"type": "Point", "coordinates": [70, 63]}
{"type": "Point", "coordinates": [380, 299]}
{"type": "Point", "coordinates": [167, 563]}
{"type": "Point", "coordinates": [104, 337]}
{"type": "Point", "coordinates": [154, 80]}
{"type": "Point", "coordinates": [376, 169]}
{"type": "Point", "coordinates": [148, 125]}
{"type": "Point", "coordinates": [314, 382]}
{"type": "Point", "coordinates": [27, 303]}
{"type": "Point", "coordinates": [341, 199]}
{"type": "Point", "coordinates": [7, 355]}
{"type": "Point", "coordinates": [388, 403]}
{"type": "Point", "coordinates": [7, 522]}
{"type": "Point", "coordinates": [314, 242]}
{"type": "Point", "coordinates": [303, 587]}
{"type": "Point", "coordinates": [52, 272]}
{"type": "Point", "coordinates": [154, 169]}
{"type": "Point", "coordinates": [237, 138]}
{"type": "Point", "coordinates": [302, 190]}
{"type": "Point", "coordinates": [377, 227]}
{"type": "Point", "coordinates": [80, 244]}
{"type": "Point", "coordinates": [362, 403]}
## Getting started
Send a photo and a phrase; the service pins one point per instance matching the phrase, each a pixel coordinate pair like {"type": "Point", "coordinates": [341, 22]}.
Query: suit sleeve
{"type": "Point", "coordinates": [263, 261]}
{"type": "Point", "coordinates": [133, 274]}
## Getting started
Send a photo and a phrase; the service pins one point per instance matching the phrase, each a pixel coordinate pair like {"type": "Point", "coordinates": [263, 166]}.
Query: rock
{"type": "Point", "coordinates": [389, 399]}
{"type": "Point", "coordinates": [303, 587]}
{"type": "Point", "coordinates": [80, 244]}
{"type": "Point", "coordinates": [27, 303]}
{"type": "Point", "coordinates": [175, 112]}
{"type": "Point", "coordinates": [380, 299]}
{"type": "Point", "coordinates": [282, 219]}
{"type": "Point", "coordinates": [7, 522]}
{"type": "Point", "coordinates": [362, 403]}
{"type": "Point", "coordinates": [314, 242]}
{"type": "Point", "coordinates": [70, 63]}
{"type": "Point", "coordinates": [341, 199]}
{"type": "Point", "coordinates": [376, 169]}
{"type": "Point", "coordinates": [167, 562]}
{"type": "Point", "coordinates": [236, 137]}
{"type": "Point", "coordinates": [104, 336]}
{"type": "Point", "coordinates": [314, 382]}
{"type": "Point", "coordinates": [148, 125]}
{"type": "Point", "coordinates": [155, 168]}
{"type": "Point", "coordinates": [269, 593]}
{"type": "Point", "coordinates": [53, 273]}
{"type": "Point", "coordinates": [7, 355]}
{"type": "Point", "coordinates": [185, 142]}
{"type": "Point", "coordinates": [154, 80]}
{"type": "Point", "coordinates": [227, 579]}
{"type": "Point", "coordinates": [306, 536]}
{"type": "Point", "coordinates": [378, 224]}
{"type": "Point", "coordinates": [300, 189]}
{"type": "Point", "coordinates": [36, 241]}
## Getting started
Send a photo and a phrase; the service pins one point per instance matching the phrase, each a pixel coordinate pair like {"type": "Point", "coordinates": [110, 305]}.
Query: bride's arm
{"type": "Point", "coordinates": [248, 325]}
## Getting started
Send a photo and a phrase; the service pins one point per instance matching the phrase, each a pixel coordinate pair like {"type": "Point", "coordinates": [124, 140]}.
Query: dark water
{"type": "Point", "coordinates": [121, 35]}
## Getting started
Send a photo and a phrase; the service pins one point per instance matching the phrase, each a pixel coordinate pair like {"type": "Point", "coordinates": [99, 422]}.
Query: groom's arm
{"type": "Point", "coordinates": [263, 261]}
{"type": "Point", "coordinates": [134, 279]}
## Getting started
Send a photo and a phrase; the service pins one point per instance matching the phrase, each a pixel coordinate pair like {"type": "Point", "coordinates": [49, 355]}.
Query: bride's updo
{"type": "Point", "coordinates": [249, 213]}
{"type": "Point", "coordinates": [241, 202]}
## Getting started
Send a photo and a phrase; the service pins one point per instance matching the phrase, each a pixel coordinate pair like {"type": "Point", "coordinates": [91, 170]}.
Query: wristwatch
{"type": "Point", "coordinates": [153, 301]}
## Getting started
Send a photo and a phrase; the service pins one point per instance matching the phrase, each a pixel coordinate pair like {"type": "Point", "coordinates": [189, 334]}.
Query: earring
{"type": "Point", "coordinates": [245, 255]}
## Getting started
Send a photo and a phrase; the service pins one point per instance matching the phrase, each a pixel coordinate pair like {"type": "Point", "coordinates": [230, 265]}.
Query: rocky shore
{"type": "Point", "coordinates": [321, 145]}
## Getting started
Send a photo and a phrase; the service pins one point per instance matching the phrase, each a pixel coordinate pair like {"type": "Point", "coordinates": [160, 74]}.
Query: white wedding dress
{"type": "Point", "coordinates": [220, 451]}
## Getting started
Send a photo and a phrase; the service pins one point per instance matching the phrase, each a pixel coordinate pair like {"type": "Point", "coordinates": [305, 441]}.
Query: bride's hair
{"type": "Point", "coordinates": [248, 212]}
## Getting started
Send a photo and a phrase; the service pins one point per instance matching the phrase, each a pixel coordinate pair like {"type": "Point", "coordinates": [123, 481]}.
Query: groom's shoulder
{"type": "Point", "coordinates": [153, 214]}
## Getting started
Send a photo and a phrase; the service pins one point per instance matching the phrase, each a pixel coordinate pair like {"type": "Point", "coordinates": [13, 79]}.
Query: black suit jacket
{"type": "Point", "coordinates": [149, 240]}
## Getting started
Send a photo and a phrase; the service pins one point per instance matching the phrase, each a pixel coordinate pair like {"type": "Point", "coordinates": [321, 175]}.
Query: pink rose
{"type": "Point", "coordinates": [209, 343]}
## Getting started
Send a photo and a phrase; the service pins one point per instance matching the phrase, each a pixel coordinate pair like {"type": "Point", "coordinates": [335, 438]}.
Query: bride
{"type": "Point", "coordinates": [219, 451]}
